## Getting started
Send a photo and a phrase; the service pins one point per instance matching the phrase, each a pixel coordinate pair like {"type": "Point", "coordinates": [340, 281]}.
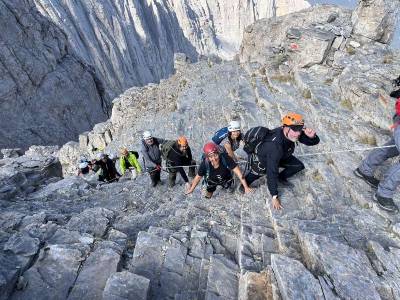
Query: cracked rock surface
{"type": "Point", "coordinates": [71, 237]}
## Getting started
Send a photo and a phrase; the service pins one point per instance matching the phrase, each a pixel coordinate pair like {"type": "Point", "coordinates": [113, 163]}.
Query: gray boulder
{"type": "Point", "coordinates": [294, 280]}
{"type": "Point", "coordinates": [92, 220]}
{"type": "Point", "coordinates": [376, 19]}
{"type": "Point", "coordinates": [48, 95]}
{"type": "Point", "coordinates": [126, 286]}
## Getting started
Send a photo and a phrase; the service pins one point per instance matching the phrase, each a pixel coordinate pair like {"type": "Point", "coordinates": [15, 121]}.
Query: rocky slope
{"type": "Point", "coordinates": [47, 94]}
{"type": "Point", "coordinates": [127, 241]}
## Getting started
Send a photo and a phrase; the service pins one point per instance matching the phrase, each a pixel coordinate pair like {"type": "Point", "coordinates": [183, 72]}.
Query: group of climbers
{"type": "Point", "coordinates": [268, 151]}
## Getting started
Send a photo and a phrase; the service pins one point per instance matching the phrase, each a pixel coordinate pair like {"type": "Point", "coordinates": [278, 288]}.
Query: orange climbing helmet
{"type": "Point", "coordinates": [182, 141]}
{"type": "Point", "coordinates": [293, 119]}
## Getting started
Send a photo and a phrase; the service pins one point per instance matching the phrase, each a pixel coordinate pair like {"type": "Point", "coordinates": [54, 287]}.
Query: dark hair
{"type": "Point", "coordinates": [239, 138]}
{"type": "Point", "coordinates": [85, 170]}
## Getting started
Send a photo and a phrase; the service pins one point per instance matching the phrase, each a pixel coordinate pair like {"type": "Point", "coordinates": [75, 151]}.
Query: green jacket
{"type": "Point", "coordinates": [132, 162]}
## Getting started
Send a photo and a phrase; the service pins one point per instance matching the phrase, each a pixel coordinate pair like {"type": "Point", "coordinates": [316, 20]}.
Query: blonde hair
{"type": "Point", "coordinates": [123, 151]}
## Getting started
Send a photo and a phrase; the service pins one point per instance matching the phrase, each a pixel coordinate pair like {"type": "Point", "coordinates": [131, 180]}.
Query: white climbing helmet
{"type": "Point", "coordinates": [100, 155]}
{"type": "Point", "coordinates": [83, 165]}
{"type": "Point", "coordinates": [234, 126]}
{"type": "Point", "coordinates": [147, 135]}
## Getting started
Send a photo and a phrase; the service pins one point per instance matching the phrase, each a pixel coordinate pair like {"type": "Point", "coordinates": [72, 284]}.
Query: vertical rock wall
{"type": "Point", "coordinates": [47, 95]}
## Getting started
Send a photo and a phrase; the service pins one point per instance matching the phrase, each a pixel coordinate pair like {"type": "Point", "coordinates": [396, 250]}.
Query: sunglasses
{"type": "Point", "coordinates": [297, 128]}
{"type": "Point", "coordinates": [212, 154]}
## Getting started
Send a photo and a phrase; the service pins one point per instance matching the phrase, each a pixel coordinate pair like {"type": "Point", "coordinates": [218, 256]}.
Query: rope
{"type": "Point", "coordinates": [344, 151]}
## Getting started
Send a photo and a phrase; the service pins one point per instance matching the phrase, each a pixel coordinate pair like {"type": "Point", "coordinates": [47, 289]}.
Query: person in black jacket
{"type": "Point", "coordinates": [180, 155]}
{"type": "Point", "coordinates": [108, 171]}
{"type": "Point", "coordinates": [277, 152]}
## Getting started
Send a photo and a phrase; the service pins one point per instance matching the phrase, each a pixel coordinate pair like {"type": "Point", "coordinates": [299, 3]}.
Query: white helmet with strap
{"type": "Point", "coordinates": [234, 126]}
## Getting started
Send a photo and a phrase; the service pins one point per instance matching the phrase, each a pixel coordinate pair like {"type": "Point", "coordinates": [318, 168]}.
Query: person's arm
{"type": "Point", "coordinates": [308, 137]}
{"type": "Point", "coordinates": [396, 136]}
{"type": "Point", "coordinates": [239, 174]}
{"type": "Point", "coordinates": [230, 152]}
{"type": "Point", "coordinates": [270, 160]}
{"type": "Point", "coordinates": [195, 182]}
{"type": "Point", "coordinates": [122, 165]}
{"type": "Point", "coordinates": [189, 155]}
{"type": "Point", "coordinates": [183, 174]}
{"type": "Point", "coordinates": [135, 163]}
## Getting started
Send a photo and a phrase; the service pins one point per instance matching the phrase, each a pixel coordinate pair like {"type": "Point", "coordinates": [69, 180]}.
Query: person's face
{"type": "Point", "coordinates": [213, 158]}
{"type": "Point", "coordinates": [235, 134]}
{"type": "Point", "coordinates": [183, 148]}
{"type": "Point", "coordinates": [293, 135]}
{"type": "Point", "coordinates": [125, 153]}
{"type": "Point", "coordinates": [104, 159]}
{"type": "Point", "coordinates": [149, 141]}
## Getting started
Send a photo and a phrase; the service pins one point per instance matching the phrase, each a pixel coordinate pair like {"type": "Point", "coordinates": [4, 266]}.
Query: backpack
{"type": "Point", "coordinates": [135, 153]}
{"type": "Point", "coordinates": [253, 138]}
{"type": "Point", "coordinates": [220, 135]}
{"type": "Point", "coordinates": [165, 148]}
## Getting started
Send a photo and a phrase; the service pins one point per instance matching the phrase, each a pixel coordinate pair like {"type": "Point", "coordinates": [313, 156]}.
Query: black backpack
{"type": "Point", "coordinates": [135, 153]}
{"type": "Point", "coordinates": [254, 137]}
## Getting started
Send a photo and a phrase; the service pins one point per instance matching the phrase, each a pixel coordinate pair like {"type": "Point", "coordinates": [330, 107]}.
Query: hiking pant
{"type": "Point", "coordinates": [212, 186]}
{"type": "Point", "coordinates": [173, 171]}
{"type": "Point", "coordinates": [291, 165]}
{"type": "Point", "coordinates": [391, 181]}
{"type": "Point", "coordinates": [154, 175]}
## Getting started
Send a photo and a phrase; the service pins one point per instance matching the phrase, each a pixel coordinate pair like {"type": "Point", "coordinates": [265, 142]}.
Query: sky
{"type": "Point", "coordinates": [352, 4]}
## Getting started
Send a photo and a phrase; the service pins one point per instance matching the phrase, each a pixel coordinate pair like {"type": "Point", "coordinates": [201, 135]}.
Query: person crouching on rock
{"type": "Point", "coordinates": [216, 168]}
{"type": "Point", "coordinates": [128, 161]}
{"type": "Point", "coordinates": [276, 151]}
{"type": "Point", "coordinates": [180, 155]}
{"type": "Point", "coordinates": [152, 156]}
{"type": "Point", "coordinates": [387, 187]}
{"type": "Point", "coordinates": [105, 167]}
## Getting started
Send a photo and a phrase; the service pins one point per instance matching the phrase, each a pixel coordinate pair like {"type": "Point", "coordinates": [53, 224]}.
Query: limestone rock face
{"type": "Point", "coordinates": [47, 94]}
{"type": "Point", "coordinates": [71, 238]}
{"type": "Point", "coordinates": [376, 19]}
{"type": "Point", "coordinates": [132, 45]}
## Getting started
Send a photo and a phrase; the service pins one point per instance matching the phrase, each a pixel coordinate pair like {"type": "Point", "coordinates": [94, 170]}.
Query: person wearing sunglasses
{"type": "Point", "coordinates": [180, 155]}
{"type": "Point", "coordinates": [217, 168]}
{"type": "Point", "coordinates": [276, 151]}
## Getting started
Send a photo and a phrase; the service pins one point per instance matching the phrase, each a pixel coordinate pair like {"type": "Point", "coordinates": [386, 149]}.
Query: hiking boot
{"type": "Point", "coordinates": [208, 195]}
{"type": "Point", "coordinates": [386, 203]}
{"type": "Point", "coordinates": [371, 180]}
{"type": "Point", "coordinates": [171, 179]}
{"type": "Point", "coordinates": [154, 183]}
{"type": "Point", "coordinates": [284, 182]}
{"type": "Point", "coordinates": [241, 189]}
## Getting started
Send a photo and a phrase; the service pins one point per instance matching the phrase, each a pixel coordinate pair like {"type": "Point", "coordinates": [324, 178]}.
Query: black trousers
{"type": "Point", "coordinates": [154, 175]}
{"type": "Point", "coordinates": [212, 186]}
{"type": "Point", "coordinates": [290, 165]}
{"type": "Point", "coordinates": [172, 171]}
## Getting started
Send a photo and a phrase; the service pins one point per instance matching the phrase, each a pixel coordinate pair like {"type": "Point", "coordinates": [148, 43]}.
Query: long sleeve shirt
{"type": "Point", "coordinates": [151, 153]}
{"type": "Point", "coordinates": [273, 150]}
{"type": "Point", "coordinates": [128, 161]}
{"type": "Point", "coordinates": [178, 158]}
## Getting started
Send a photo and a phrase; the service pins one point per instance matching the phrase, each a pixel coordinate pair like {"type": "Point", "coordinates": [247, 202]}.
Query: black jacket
{"type": "Point", "coordinates": [274, 149]}
{"type": "Point", "coordinates": [108, 168]}
{"type": "Point", "coordinates": [177, 158]}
